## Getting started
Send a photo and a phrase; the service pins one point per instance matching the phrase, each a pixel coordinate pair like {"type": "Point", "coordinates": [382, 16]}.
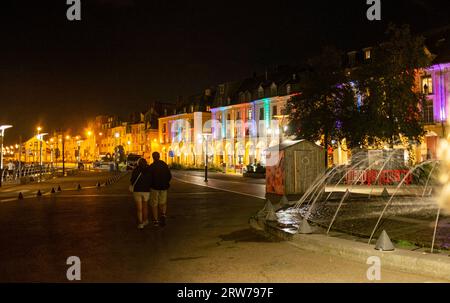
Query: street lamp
{"type": "Point", "coordinates": [40, 137]}
{"type": "Point", "coordinates": [205, 139]}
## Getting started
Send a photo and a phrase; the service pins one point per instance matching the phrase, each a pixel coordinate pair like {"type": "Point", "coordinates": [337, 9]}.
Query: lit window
{"type": "Point", "coordinates": [367, 54]}
{"type": "Point", "coordinates": [427, 85]}
{"type": "Point", "coordinates": [288, 89]}
{"type": "Point", "coordinates": [250, 114]}
{"type": "Point", "coordinates": [208, 108]}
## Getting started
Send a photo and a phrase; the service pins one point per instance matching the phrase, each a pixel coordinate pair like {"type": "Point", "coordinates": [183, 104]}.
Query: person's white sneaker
{"type": "Point", "coordinates": [141, 226]}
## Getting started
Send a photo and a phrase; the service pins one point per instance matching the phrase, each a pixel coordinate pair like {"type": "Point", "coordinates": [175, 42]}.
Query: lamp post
{"type": "Point", "coordinates": [64, 138]}
{"type": "Point", "coordinates": [40, 137]}
{"type": "Point", "coordinates": [205, 139]}
{"type": "Point", "coordinates": [2, 135]}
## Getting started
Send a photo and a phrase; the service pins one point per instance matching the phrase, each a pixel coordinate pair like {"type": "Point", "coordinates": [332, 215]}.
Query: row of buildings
{"type": "Point", "coordinates": [232, 124]}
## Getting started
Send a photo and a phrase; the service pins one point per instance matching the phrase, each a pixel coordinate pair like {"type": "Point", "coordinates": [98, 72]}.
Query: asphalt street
{"type": "Point", "coordinates": [207, 239]}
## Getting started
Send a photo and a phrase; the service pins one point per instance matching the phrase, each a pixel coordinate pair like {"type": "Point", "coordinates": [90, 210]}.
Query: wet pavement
{"type": "Point", "coordinates": [207, 239]}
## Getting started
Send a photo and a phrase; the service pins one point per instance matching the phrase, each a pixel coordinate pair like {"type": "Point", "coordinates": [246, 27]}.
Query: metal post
{"type": "Point", "coordinates": [20, 157]}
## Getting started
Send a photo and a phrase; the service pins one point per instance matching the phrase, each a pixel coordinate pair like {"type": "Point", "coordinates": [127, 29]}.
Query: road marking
{"type": "Point", "coordinates": [8, 200]}
{"type": "Point", "coordinates": [221, 189]}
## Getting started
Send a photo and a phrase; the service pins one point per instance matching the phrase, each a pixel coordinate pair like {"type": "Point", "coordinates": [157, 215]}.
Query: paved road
{"type": "Point", "coordinates": [207, 239]}
{"type": "Point", "coordinates": [230, 183]}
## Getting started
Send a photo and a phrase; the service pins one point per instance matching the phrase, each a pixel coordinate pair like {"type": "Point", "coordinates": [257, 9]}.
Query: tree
{"type": "Point", "coordinates": [387, 84]}
{"type": "Point", "coordinates": [318, 113]}
{"type": "Point", "coordinates": [376, 102]}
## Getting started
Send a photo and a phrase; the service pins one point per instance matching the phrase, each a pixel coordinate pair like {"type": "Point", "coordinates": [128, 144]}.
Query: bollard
{"type": "Point", "coordinates": [59, 188]}
{"type": "Point", "coordinates": [79, 186]}
{"type": "Point", "coordinates": [39, 194]}
{"type": "Point", "coordinates": [384, 243]}
{"type": "Point", "coordinates": [20, 196]}
{"type": "Point", "coordinates": [53, 190]}
{"type": "Point", "coordinates": [98, 184]}
{"type": "Point", "coordinates": [304, 228]}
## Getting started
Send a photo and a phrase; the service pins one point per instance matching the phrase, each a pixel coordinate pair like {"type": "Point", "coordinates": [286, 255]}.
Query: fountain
{"type": "Point", "coordinates": [377, 191]}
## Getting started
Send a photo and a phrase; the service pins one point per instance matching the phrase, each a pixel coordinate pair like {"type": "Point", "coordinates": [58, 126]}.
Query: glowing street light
{"type": "Point", "coordinates": [2, 135]}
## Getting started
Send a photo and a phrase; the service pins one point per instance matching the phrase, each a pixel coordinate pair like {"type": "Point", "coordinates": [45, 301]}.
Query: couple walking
{"type": "Point", "coordinates": [149, 184]}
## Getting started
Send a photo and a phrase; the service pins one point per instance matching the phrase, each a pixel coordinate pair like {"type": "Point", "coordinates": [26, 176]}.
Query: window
{"type": "Point", "coordinates": [273, 89]}
{"type": "Point", "coordinates": [288, 89]}
{"type": "Point", "coordinates": [208, 108]}
{"type": "Point", "coordinates": [260, 92]}
{"type": "Point", "coordinates": [241, 97]}
{"type": "Point", "coordinates": [261, 113]}
{"type": "Point", "coordinates": [274, 111]}
{"type": "Point", "coordinates": [427, 85]}
{"type": "Point", "coordinates": [352, 58]}
{"type": "Point", "coordinates": [250, 114]}
{"type": "Point", "coordinates": [221, 89]}
{"type": "Point", "coordinates": [248, 96]}
{"type": "Point", "coordinates": [192, 108]}
{"type": "Point", "coordinates": [367, 54]}
{"type": "Point", "coordinates": [238, 115]}
{"type": "Point", "coordinates": [428, 113]}
{"type": "Point", "coordinates": [164, 128]}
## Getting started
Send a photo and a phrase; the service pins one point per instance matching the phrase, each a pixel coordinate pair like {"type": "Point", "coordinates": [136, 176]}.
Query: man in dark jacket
{"type": "Point", "coordinates": [160, 176]}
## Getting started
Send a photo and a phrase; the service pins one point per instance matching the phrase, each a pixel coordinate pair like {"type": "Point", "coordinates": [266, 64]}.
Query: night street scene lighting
{"type": "Point", "coordinates": [215, 150]}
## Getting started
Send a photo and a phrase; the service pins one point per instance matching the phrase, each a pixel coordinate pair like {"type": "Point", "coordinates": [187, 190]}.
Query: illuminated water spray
{"type": "Point", "coordinates": [444, 178]}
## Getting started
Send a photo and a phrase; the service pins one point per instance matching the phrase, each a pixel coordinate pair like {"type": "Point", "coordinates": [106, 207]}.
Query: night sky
{"type": "Point", "coordinates": [124, 53]}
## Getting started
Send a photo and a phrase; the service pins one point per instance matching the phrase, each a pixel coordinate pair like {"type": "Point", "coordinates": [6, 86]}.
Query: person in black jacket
{"type": "Point", "coordinates": [160, 176]}
{"type": "Point", "coordinates": [141, 182]}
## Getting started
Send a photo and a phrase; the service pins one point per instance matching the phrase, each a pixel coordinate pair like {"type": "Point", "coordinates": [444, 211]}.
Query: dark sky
{"type": "Point", "coordinates": [125, 53]}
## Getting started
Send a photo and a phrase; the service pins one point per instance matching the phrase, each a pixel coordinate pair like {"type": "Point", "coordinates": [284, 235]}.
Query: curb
{"type": "Point", "coordinates": [419, 263]}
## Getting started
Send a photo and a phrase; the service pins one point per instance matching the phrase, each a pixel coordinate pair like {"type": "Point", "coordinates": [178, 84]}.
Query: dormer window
{"type": "Point", "coordinates": [221, 89]}
{"type": "Point", "coordinates": [248, 96]}
{"type": "Point", "coordinates": [192, 108]}
{"type": "Point", "coordinates": [260, 92]}
{"type": "Point", "coordinates": [352, 58]}
{"type": "Point", "coordinates": [273, 89]}
{"type": "Point", "coordinates": [288, 89]}
{"type": "Point", "coordinates": [241, 97]}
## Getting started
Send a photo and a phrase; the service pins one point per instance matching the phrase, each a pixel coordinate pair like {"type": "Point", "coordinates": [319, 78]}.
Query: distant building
{"type": "Point", "coordinates": [249, 116]}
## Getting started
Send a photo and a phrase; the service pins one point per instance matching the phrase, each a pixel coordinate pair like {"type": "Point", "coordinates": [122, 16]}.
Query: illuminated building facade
{"type": "Point", "coordinates": [249, 117]}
